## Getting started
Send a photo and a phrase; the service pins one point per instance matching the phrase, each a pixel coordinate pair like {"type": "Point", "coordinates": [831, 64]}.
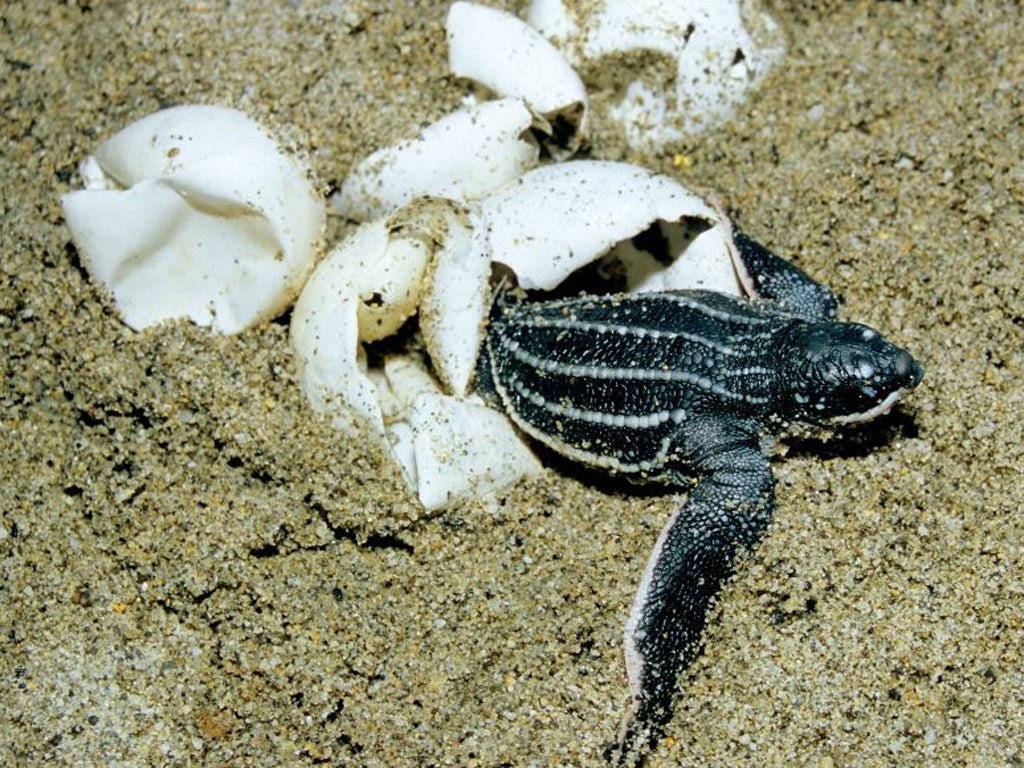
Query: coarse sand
{"type": "Point", "coordinates": [197, 571]}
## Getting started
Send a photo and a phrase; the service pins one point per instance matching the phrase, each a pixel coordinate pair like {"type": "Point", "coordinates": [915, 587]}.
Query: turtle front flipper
{"type": "Point", "coordinates": [726, 512]}
{"type": "Point", "coordinates": [787, 287]}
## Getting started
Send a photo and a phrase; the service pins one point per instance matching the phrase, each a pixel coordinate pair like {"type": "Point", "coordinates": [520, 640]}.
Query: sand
{"type": "Point", "coordinates": [198, 571]}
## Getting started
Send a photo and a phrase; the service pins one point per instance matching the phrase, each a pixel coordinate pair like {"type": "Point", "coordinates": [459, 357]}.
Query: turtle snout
{"type": "Point", "coordinates": [908, 369]}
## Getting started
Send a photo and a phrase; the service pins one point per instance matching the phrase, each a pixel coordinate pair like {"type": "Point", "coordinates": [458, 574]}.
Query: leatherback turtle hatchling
{"type": "Point", "coordinates": [672, 385]}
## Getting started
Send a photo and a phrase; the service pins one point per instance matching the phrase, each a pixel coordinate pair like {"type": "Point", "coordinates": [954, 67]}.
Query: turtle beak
{"type": "Point", "coordinates": [897, 376]}
{"type": "Point", "coordinates": [908, 369]}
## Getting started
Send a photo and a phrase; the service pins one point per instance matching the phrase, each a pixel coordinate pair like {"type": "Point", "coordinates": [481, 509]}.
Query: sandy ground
{"type": "Point", "coordinates": [197, 571]}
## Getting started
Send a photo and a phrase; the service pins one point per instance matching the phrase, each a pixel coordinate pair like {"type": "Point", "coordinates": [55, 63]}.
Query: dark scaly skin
{"type": "Point", "coordinates": [680, 384]}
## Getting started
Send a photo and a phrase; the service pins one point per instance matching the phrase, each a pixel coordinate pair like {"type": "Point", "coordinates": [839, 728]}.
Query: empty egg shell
{"type": "Point", "coordinates": [330, 361]}
{"type": "Point", "coordinates": [663, 69]}
{"type": "Point", "coordinates": [450, 449]}
{"type": "Point", "coordinates": [364, 290]}
{"type": "Point", "coordinates": [511, 59]}
{"type": "Point", "coordinates": [196, 212]}
{"type": "Point", "coordinates": [464, 450]}
{"type": "Point", "coordinates": [557, 218]}
{"type": "Point", "coordinates": [391, 280]}
{"type": "Point", "coordinates": [454, 301]}
{"type": "Point", "coordinates": [462, 156]}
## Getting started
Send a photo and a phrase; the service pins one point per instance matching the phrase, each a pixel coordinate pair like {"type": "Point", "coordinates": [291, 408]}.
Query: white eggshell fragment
{"type": "Point", "coordinates": [450, 449]}
{"type": "Point", "coordinates": [465, 450]}
{"type": "Point", "coordinates": [557, 218]}
{"type": "Point", "coordinates": [706, 261]}
{"type": "Point", "coordinates": [455, 303]}
{"type": "Point", "coordinates": [196, 212]}
{"type": "Point", "coordinates": [391, 274]}
{"type": "Point", "coordinates": [668, 68]}
{"type": "Point", "coordinates": [329, 359]}
{"type": "Point", "coordinates": [364, 290]}
{"type": "Point", "coordinates": [391, 297]}
{"type": "Point", "coordinates": [510, 58]}
{"type": "Point", "coordinates": [405, 378]}
{"type": "Point", "coordinates": [702, 258]}
{"type": "Point", "coordinates": [462, 156]}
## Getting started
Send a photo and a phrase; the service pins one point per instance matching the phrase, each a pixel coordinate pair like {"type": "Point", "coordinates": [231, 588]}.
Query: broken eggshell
{"type": "Point", "coordinates": [196, 212]}
{"type": "Point", "coordinates": [465, 449]}
{"type": "Point", "coordinates": [329, 358]}
{"type": "Point", "coordinates": [555, 219]}
{"type": "Point", "coordinates": [663, 69]}
{"type": "Point", "coordinates": [511, 59]}
{"type": "Point", "coordinates": [395, 271]}
{"type": "Point", "coordinates": [455, 299]}
{"type": "Point", "coordinates": [451, 449]}
{"type": "Point", "coordinates": [368, 286]}
{"type": "Point", "coordinates": [462, 156]}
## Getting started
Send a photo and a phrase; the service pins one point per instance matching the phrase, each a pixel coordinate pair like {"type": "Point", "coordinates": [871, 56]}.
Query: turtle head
{"type": "Point", "coordinates": [840, 373]}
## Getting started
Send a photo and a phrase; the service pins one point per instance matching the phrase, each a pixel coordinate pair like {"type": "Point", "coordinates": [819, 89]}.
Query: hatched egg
{"type": "Point", "coordinates": [663, 69]}
{"type": "Point", "coordinates": [511, 59]}
{"type": "Point", "coordinates": [558, 218]}
{"type": "Point", "coordinates": [195, 211]}
{"type": "Point", "coordinates": [462, 156]}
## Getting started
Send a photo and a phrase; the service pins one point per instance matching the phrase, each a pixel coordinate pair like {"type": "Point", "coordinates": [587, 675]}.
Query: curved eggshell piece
{"type": "Point", "coordinates": [462, 156]}
{"type": "Point", "coordinates": [450, 448]}
{"type": "Point", "coordinates": [511, 58]}
{"type": "Point", "coordinates": [664, 69]}
{"type": "Point", "coordinates": [455, 300]}
{"type": "Point", "coordinates": [196, 212]}
{"type": "Point", "coordinates": [555, 219]}
{"type": "Point", "coordinates": [369, 285]}
{"type": "Point", "coordinates": [464, 449]}
{"type": "Point", "coordinates": [325, 333]}
{"type": "Point", "coordinates": [389, 294]}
